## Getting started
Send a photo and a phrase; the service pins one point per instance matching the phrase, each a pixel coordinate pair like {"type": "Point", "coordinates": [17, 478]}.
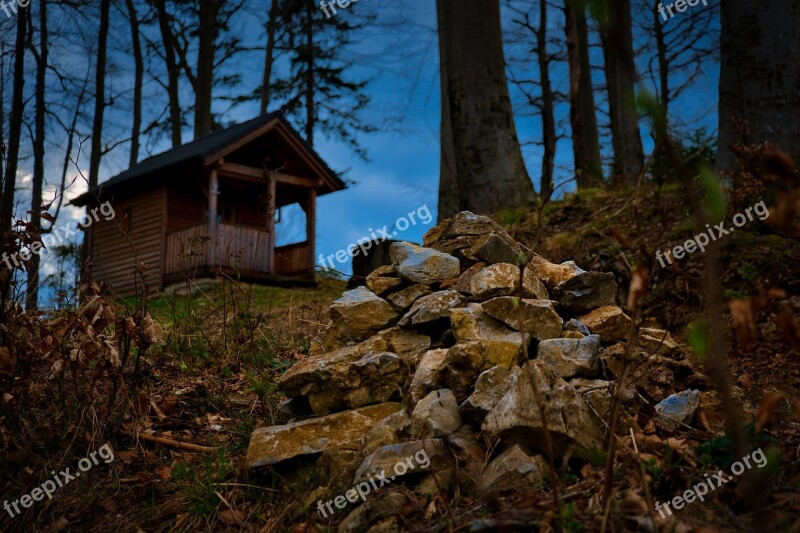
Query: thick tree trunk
{"type": "Point", "coordinates": [585, 138]}
{"type": "Point", "coordinates": [618, 51]}
{"type": "Point", "coordinates": [99, 96]}
{"type": "Point", "coordinates": [480, 155]}
{"type": "Point", "coordinates": [209, 10]}
{"type": "Point", "coordinates": [173, 76]}
{"type": "Point", "coordinates": [137, 82]}
{"type": "Point", "coordinates": [272, 29]}
{"type": "Point", "coordinates": [548, 115]}
{"type": "Point", "coordinates": [760, 75]}
{"type": "Point", "coordinates": [15, 125]}
{"type": "Point", "coordinates": [310, 108]}
{"type": "Point", "coordinates": [32, 286]}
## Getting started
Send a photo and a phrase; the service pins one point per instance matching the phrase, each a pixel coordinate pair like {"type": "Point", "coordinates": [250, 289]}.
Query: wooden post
{"type": "Point", "coordinates": [213, 192]}
{"type": "Point", "coordinates": [272, 191]}
{"type": "Point", "coordinates": [311, 233]}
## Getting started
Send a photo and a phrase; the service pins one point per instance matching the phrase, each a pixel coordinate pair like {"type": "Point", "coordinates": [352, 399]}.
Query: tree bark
{"type": "Point", "coordinates": [759, 75]}
{"type": "Point", "coordinates": [585, 138]}
{"type": "Point", "coordinates": [32, 286]}
{"type": "Point", "coordinates": [481, 160]}
{"type": "Point", "coordinates": [99, 96]}
{"type": "Point", "coordinates": [137, 83]}
{"type": "Point", "coordinates": [309, 44]}
{"type": "Point", "coordinates": [663, 64]}
{"type": "Point", "coordinates": [15, 124]}
{"type": "Point", "coordinates": [173, 75]}
{"type": "Point", "coordinates": [272, 29]}
{"type": "Point", "coordinates": [618, 52]}
{"type": "Point", "coordinates": [207, 32]}
{"type": "Point", "coordinates": [548, 115]}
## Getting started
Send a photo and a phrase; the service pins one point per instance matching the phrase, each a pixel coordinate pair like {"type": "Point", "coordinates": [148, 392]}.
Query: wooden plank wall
{"type": "Point", "coordinates": [113, 259]}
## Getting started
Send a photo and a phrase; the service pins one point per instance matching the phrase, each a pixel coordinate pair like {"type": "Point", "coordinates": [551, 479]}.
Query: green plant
{"type": "Point", "coordinates": [200, 485]}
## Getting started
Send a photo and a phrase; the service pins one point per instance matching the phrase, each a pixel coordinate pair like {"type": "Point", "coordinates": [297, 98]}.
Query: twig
{"type": "Point", "coordinates": [174, 443]}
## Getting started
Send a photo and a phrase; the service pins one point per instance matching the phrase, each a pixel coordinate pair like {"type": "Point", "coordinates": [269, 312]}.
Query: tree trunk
{"type": "Point", "coordinates": [618, 51]}
{"type": "Point", "coordinates": [272, 29]}
{"type": "Point", "coordinates": [32, 286]}
{"type": "Point", "coordinates": [173, 75]}
{"type": "Point", "coordinates": [207, 32]}
{"type": "Point", "coordinates": [137, 83]}
{"type": "Point", "coordinates": [759, 76]}
{"type": "Point", "coordinates": [310, 109]}
{"type": "Point", "coordinates": [480, 151]}
{"type": "Point", "coordinates": [663, 64]}
{"type": "Point", "coordinates": [548, 116]}
{"type": "Point", "coordinates": [99, 96]}
{"type": "Point", "coordinates": [585, 138]}
{"type": "Point", "coordinates": [15, 125]}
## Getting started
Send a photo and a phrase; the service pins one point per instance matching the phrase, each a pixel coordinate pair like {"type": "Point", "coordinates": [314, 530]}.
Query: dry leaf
{"type": "Point", "coordinates": [164, 471]}
{"type": "Point", "coordinates": [767, 410]}
{"type": "Point", "coordinates": [231, 517]}
{"type": "Point", "coordinates": [746, 381]}
{"type": "Point", "coordinates": [110, 505]}
{"type": "Point", "coordinates": [127, 455]}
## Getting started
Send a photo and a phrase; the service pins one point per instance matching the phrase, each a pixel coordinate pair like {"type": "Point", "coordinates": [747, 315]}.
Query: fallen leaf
{"type": "Point", "coordinates": [231, 517]}
{"type": "Point", "coordinates": [110, 505]}
{"type": "Point", "coordinates": [767, 410]}
{"type": "Point", "coordinates": [127, 455]}
{"type": "Point", "coordinates": [746, 381]}
{"type": "Point", "coordinates": [164, 471]}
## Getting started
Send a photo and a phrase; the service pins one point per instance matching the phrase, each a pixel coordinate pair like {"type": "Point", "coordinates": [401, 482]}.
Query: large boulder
{"type": "Point", "coordinates": [571, 357]}
{"type": "Point", "coordinates": [358, 314]}
{"type": "Point", "coordinates": [517, 419]}
{"type": "Point", "coordinates": [271, 445]}
{"type": "Point", "coordinates": [424, 266]}
{"type": "Point", "coordinates": [539, 318]}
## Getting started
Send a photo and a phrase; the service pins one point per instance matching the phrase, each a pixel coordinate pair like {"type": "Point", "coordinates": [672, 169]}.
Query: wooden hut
{"type": "Point", "coordinates": [209, 207]}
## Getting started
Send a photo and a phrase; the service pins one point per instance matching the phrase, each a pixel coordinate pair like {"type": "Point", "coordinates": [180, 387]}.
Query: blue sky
{"type": "Point", "coordinates": [399, 54]}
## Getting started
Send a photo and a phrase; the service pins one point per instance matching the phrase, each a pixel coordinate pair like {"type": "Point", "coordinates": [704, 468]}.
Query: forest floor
{"type": "Point", "coordinates": [209, 381]}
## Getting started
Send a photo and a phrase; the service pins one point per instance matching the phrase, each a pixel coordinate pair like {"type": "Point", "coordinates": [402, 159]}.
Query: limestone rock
{"type": "Point", "coordinates": [586, 291]}
{"type": "Point", "coordinates": [468, 451]}
{"type": "Point", "coordinates": [426, 376]}
{"type": "Point", "coordinates": [271, 445]}
{"type": "Point", "coordinates": [678, 409]}
{"type": "Point", "coordinates": [571, 357]}
{"type": "Point", "coordinates": [609, 321]}
{"type": "Point", "coordinates": [383, 279]}
{"type": "Point", "coordinates": [373, 511]}
{"type": "Point", "coordinates": [490, 388]}
{"type": "Point", "coordinates": [463, 363]}
{"type": "Point", "coordinates": [540, 319]}
{"type": "Point", "coordinates": [551, 274]}
{"type": "Point", "coordinates": [424, 266]}
{"type": "Point", "coordinates": [572, 335]}
{"type": "Point", "coordinates": [513, 470]}
{"type": "Point", "coordinates": [492, 249]}
{"type": "Point", "coordinates": [427, 455]}
{"type": "Point", "coordinates": [359, 313]}
{"type": "Point", "coordinates": [471, 323]}
{"type": "Point", "coordinates": [659, 342]}
{"type": "Point", "coordinates": [460, 232]}
{"type": "Point", "coordinates": [517, 419]}
{"type": "Point", "coordinates": [436, 415]}
{"type": "Point", "coordinates": [403, 299]}
{"type": "Point", "coordinates": [495, 280]}
{"type": "Point", "coordinates": [598, 395]}
{"type": "Point", "coordinates": [573, 324]}
{"type": "Point", "coordinates": [433, 307]}
{"type": "Point", "coordinates": [437, 482]}
{"type": "Point", "coordinates": [532, 286]}
{"type": "Point", "coordinates": [464, 282]}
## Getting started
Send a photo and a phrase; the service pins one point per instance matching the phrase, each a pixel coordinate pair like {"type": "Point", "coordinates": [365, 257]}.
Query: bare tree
{"type": "Point", "coordinates": [133, 17]}
{"type": "Point", "coordinates": [585, 137]}
{"type": "Point", "coordinates": [99, 94]}
{"type": "Point", "coordinates": [173, 73]}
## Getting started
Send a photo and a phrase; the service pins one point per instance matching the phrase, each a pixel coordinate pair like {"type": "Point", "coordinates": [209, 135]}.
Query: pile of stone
{"type": "Point", "coordinates": [441, 351]}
